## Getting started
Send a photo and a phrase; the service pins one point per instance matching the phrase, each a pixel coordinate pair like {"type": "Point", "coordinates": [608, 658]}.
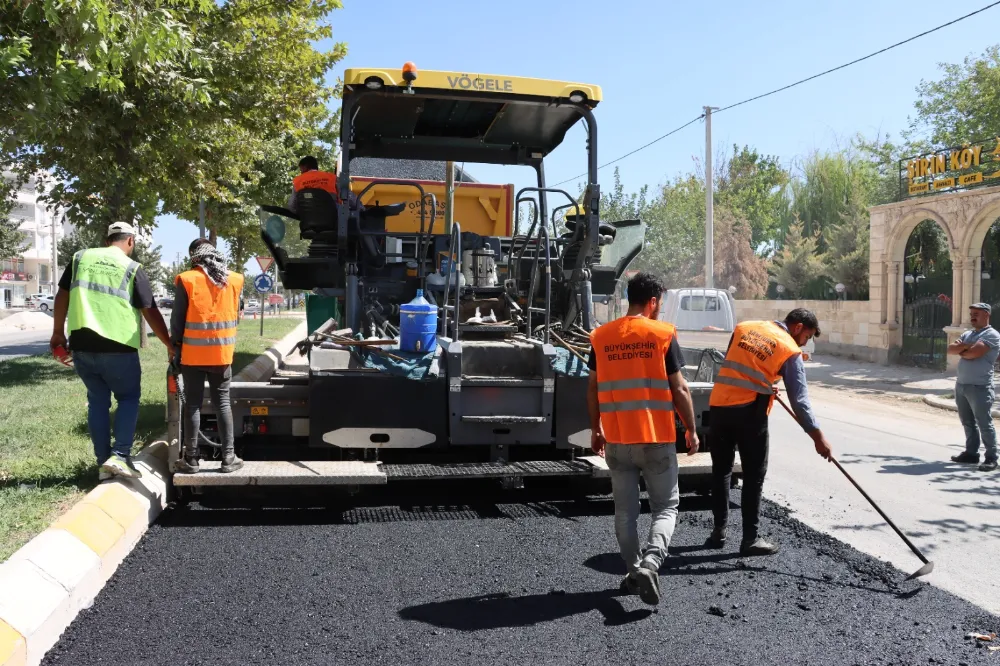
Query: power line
{"type": "Point", "coordinates": [854, 62]}
{"type": "Point", "coordinates": [619, 159]}
{"type": "Point", "coordinates": [790, 85]}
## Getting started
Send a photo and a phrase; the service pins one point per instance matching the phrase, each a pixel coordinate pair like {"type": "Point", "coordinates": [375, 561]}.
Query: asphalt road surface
{"type": "Point", "coordinates": [23, 343]}
{"type": "Point", "coordinates": [901, 456]}
{"type": "Point", "coordinates": [470, 577]}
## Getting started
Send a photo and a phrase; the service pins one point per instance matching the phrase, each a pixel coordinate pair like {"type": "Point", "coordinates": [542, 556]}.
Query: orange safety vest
{"type": "Point", "coordinates": [752, 364]}
{"type": "Point", "coordinates": [632, 386]}
{"type": "Point", "coordinates": [316, 180]}
{"type": "Point", "coordinates": [212, 317]}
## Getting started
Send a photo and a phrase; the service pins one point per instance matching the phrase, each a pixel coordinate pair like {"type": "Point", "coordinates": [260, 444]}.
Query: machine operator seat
{"type": "Point", "coordinates": [317, 210]}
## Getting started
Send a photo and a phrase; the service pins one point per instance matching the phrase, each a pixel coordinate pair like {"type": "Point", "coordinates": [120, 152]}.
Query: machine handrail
{"type": "Point", "coordinates": [542, 230]}
{"type": "Point", "coordinates": [516, 265]}
{"type": "Point", "coordinates": [425, 236]}
{"type": "Point", "coordinates": [454, 266]}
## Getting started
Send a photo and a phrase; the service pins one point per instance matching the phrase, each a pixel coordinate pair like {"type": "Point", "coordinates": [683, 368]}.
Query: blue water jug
{"type": "Point", "coordinates": [418, 325]}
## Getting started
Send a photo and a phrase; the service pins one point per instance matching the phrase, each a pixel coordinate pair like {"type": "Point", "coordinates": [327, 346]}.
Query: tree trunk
{"type": "Point", "coordinates": [212, 236]}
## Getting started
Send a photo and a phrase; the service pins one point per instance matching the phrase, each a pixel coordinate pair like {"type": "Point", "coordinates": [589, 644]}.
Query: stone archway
{"type": "Point", "coordinates": [966, 218]}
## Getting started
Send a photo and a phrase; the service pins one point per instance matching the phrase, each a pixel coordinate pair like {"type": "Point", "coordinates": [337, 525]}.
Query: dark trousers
{"type": "Point", "coordinates": [744, 429]}
{"type": "Point", "coordinates": [194, 391]}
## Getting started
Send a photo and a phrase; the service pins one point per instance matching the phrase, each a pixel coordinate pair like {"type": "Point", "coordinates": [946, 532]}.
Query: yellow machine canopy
{"type": "Point", "coordinates": [459, 116]}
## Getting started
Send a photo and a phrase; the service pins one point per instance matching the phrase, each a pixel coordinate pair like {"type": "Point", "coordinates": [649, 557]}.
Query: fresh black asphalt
{"type": "Point", "coordinates": [462, 575]}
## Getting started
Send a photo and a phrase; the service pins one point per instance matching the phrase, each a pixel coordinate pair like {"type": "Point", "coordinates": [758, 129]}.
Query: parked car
{"type": "Point", "coordinates": [44, 302]}
{"type": "Point", "coordinates": [166, 302]}
{"type": "Point", "coordinates": [253, 305]}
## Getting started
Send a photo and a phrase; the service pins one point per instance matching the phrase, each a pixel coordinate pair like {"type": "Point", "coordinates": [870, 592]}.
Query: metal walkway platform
{"type": "Point", "coordinates": [354, 473]}
{"type": "Point", "coordinates": [286, 473]}
{"type": "Point", "coordinates": [490, 470]}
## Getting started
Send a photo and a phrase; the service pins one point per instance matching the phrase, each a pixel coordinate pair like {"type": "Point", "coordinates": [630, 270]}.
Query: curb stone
{"type": "Point", "coordinates": [49, 580]}
{"type": "Point", "coordinates": [265, 365]}
{"type": "Point", "coordinates": [942, 403]}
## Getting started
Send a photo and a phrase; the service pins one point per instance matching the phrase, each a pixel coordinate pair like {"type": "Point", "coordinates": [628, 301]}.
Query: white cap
{"type": "Point", "coordinates": [120, 228]}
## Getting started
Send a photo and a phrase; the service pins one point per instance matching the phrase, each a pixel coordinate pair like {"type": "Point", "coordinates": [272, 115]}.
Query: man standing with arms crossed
{"type": "Point", "coordinates": [978, 350]}
{"type": "Point", "coordinates": [635, 382]}
{"type": "Point", "coordinates": [103, 291]}
{"type": "Point", "coordinates": [759, 353]}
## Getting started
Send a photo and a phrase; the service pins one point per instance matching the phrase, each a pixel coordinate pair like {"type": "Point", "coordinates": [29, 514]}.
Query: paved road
{"type": "Point", "coordinates": [23, 343]}
{"type": "Point", "coordinates": [446, 576]}
{"type": "Point", "coordinates": [900, 455]}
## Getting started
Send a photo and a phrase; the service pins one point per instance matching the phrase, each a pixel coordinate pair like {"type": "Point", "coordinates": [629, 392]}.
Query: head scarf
{"type": "Point", "coordinates": [212, 263]}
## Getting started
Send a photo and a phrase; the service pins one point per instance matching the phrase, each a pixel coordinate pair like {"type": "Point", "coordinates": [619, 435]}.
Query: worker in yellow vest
{"type": "Point", "coordinates": [203, 328]}
{"type": "Point", "coordinates": [635, 386]}
{"type": "Point", "coordinates": [760, 352]}
{"type": "Point", "coordinates": [102, 293]}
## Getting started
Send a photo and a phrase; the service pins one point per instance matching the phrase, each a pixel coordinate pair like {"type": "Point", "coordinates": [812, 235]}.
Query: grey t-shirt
{"type": "Point", "coordinates": [979, 372]}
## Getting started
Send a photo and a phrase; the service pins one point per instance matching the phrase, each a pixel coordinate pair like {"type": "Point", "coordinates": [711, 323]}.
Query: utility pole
{"type": "Point", "coordinates": [201, 216]}
{"type": "Point", "coordinates": [709, 202]}
{"type": "Point", "coordinates": [449, 199]}
{"type": "Point", "coordinates": [55, 256]}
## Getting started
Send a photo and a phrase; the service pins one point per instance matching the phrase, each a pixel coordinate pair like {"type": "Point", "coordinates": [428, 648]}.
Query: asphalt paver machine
{"type": "Point", "coordinates": [502, 394]}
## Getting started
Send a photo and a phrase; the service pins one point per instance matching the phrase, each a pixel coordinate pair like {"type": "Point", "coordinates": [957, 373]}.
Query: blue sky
{"type": "Point", "coordinates": [660, 62]}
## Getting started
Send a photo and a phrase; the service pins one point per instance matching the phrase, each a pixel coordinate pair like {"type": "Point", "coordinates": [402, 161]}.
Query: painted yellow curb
{"type": "Point", "coordinates": [115, 500]}
{"type": "Point", "coordinates": [13, 650]}
{"type": "Point", "coordinates": [91, 525]}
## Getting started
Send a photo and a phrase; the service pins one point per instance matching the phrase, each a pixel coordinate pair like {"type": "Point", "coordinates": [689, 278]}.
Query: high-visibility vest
{"type": "Point", "coordinates": [212, 317]}
{"type": "Point", "coordinates": [316, 180]}
{"type": "Point", "coordinates": [752, 364]}
{"type": "Point", "coordinates": [100, 295]}
{"type": "Point", "coordinates": [632, 386]}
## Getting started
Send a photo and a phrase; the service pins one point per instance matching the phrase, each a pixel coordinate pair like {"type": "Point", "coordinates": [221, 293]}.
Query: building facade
{"type": "Point", "coordinates": [35, 270]}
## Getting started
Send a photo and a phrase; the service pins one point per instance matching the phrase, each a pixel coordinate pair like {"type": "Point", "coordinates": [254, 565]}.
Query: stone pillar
{"type": "Point", "coordinates": [956, 291]}
{"type": "Point", "coordinates": [967, 295]}
{"type": "Point", "coordinates": [892, 288]}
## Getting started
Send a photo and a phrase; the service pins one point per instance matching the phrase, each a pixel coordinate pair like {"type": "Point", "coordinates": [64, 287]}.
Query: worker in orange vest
{"type": "Point", "coordinates": [311, 178]}
{"type": "Point", "coordinates": [760, 352]}
{"type": "Point", "coordinates": [203, 337]}
{"type": "Point", "coordinates": [635, 387]}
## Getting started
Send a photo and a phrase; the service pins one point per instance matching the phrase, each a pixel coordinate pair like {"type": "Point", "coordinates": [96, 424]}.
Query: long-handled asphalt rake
{"type": "Point", "coordinates": [928, 565]}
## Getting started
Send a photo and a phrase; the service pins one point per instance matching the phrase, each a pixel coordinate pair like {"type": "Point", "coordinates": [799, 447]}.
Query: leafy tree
{"type": "Point", "coordinates": [736, 263]}
{"type": "Point", "coordinates": [144, 253]}
{"type": "Point", "coordinates": [964, 105]}
{"type": "Point", "coordinates": [797, 263]}
{"type": "Point", "coordinates": [676, 228]}
{"type": "Point", "coordinates": [927, 251]}
{"type": "Point", "coordinates": [12, 239]}
{"type": "Point", "coordinates": [186, 98]}
{"type": "Point", "coordinates": [750, 185]}
{"type": "Point", "coordinates": [847, 257]}
{"type": "Point", "coordinates": [616, 205]}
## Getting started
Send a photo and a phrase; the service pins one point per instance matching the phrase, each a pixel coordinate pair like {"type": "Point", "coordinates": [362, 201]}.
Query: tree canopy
{"type": "Point", "coordinates": [141, 107]}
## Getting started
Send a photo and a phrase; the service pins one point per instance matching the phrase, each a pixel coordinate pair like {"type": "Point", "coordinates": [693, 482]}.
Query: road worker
{"type": "Point", "coordinates": [759, 353]}
{"type": "Point", "coordinates": [203, 328]}
{"type": "Point", "coordinates": [635, 386]}
{"type": "Point", "coordinates": [311, 178]}
{"type": "Point", "coordinates": [102, 293]}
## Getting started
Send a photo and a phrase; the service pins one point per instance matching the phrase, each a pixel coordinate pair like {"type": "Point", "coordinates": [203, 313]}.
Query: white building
{"type": "Point", "coordinates": [32, 272]}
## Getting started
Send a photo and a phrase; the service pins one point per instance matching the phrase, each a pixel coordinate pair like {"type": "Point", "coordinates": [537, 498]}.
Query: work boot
{"type": "Point", "coordinates": [988, 466]}
{"type": "Point", "coordinates": [230, 462]}
{"type": "Point", "coordinates": [187, 465]}
{"type": "Point", "coordinates": [966, 457]}
{"type": "Point", "coordinates": [119, 466]}
{"type": "Point", "coordinates": [717, 538]}
{"type": "Point", "coordinates": [630, 585]}
{"type": "Point", "coordinates": [757, 547]}
{"type": "Point", "coordinates": [648, 582]}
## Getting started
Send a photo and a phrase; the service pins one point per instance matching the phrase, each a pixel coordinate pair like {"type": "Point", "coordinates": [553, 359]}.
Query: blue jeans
{"type": "Point", "coordinates": [657, 463]}
{"type": "Point", "coordinates": [104, 374]}
{"type": "Point", "coordinates": [974, 405]}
